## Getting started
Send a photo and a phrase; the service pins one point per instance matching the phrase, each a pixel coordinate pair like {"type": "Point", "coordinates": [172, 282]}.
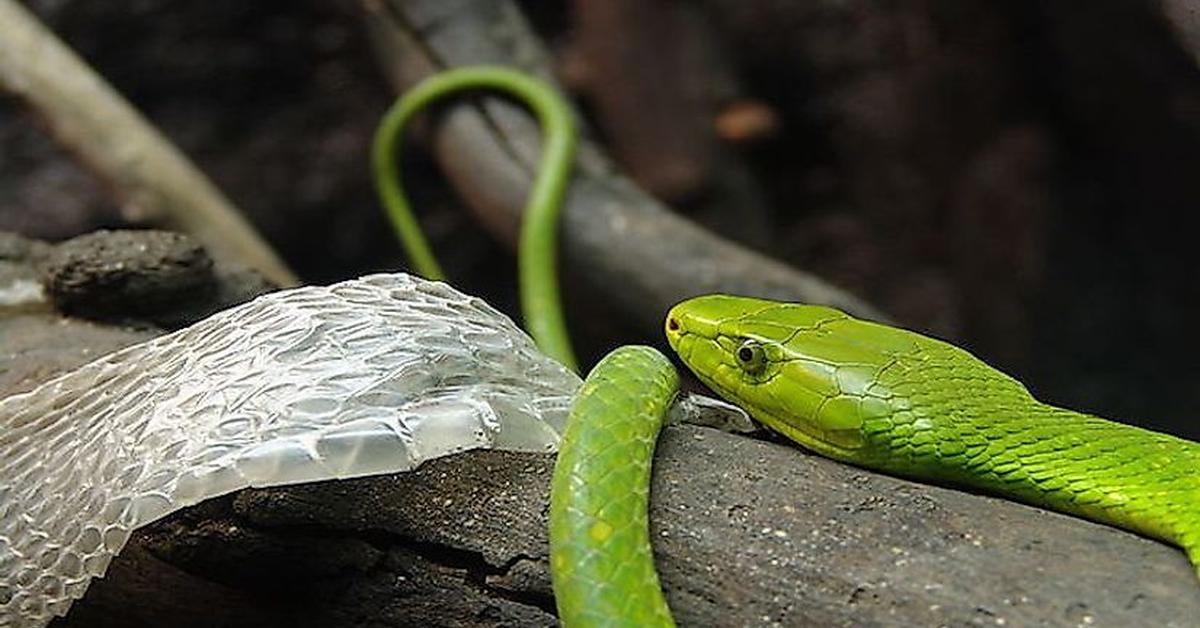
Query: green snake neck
{"type": "Point", "coordinates": [1050, 457]}
{"type": "Point", "coordinates": [905, 404]}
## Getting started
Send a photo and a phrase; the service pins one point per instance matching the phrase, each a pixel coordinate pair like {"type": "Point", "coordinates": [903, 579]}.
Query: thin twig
{"type": "Point", "coordinates": [137, 162]}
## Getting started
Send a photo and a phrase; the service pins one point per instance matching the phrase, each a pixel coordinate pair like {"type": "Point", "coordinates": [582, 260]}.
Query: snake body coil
{"type": "Point", "coordinates": [368, 376]}
{"type": "Point", "coordinates": [601, 493]}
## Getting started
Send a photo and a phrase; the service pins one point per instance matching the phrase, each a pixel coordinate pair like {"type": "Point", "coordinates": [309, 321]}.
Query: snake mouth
{"type": "Point", "coordinates": [674, 330]}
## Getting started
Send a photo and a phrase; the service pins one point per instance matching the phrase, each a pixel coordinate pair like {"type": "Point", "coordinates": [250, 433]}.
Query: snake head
{"type": "Point", "coordinates": [810, 372]}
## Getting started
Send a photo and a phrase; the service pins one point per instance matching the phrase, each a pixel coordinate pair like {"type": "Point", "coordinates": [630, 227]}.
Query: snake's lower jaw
{"type": "Point", "coordinates": [836, 444]}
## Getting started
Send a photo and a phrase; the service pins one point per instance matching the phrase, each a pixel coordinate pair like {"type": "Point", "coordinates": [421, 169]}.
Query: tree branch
{"type": "Point", "coordinates": [623, 244]}
{"type": "Point", "coordinates": [134, 159]}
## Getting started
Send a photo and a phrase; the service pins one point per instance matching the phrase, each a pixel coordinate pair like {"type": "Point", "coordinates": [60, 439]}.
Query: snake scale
{"type": "Point", "coordinates": [861, 392]}
{"type": "Point", "coordinates": [372, 375]}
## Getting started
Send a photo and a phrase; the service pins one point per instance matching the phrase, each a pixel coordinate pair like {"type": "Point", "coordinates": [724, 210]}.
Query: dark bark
{"type": "Point", "coordinates": [746, 532]}
{"type": "Point", "coordinates": [752, 528]}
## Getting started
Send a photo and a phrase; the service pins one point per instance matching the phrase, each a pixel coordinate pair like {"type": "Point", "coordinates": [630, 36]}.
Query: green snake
{"type": "Point", "coordinates": [868, 394]}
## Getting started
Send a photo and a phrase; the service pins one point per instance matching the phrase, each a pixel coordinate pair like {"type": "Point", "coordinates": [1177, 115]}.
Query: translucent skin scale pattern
{"type": "Point", "coordinates": [368, 376]}
{"type": "Point", "coordinates": [902, 403]}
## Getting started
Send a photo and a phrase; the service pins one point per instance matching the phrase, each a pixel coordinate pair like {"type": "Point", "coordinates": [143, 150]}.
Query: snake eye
{"type": "Point", "coordinates": [751, 356]}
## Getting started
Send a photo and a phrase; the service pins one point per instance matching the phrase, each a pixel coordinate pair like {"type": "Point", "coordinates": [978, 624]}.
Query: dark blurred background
{"type": "Point", "coordinates": [1011, 175]}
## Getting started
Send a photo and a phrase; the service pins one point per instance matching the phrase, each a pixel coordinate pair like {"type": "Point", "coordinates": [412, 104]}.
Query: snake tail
{"type": "Point", "coordinates": [602, 564]}
{"type": "Point", "coordinates": [909, 405]}
{"type": "Point", "coordinates": [541, 304]}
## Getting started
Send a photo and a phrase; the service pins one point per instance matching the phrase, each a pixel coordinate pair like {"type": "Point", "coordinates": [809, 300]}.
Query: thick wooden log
{"type": "Point", "coordinates": [746, 531]}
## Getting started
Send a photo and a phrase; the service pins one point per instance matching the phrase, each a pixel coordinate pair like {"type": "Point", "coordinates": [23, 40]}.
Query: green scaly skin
{"type": "Point", "coordinates": [601, 561]}
{"type": "Point", "coordinates": [541, 304]}
{"type": "Point", "coordinates": [602, 477]}
{"type": "Point", "coordinates": [908, 405]}
{"type": "Point", "coordinates": [860, 392]}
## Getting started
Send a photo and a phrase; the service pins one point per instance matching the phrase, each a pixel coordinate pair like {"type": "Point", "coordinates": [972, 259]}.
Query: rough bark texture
{"type": "Point", "coordinates": [747, 532]}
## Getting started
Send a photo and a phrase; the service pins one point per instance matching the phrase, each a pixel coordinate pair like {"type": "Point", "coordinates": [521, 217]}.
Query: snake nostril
{"type": "Point", "coordinates": [672, 324]}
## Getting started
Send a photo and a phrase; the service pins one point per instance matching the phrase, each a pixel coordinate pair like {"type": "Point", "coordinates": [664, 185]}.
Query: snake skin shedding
{"type": "Point", "coordinates": [374, 375]}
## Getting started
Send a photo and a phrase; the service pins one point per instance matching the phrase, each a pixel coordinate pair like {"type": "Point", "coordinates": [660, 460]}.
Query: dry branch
{"type": "Point", "coordinates": [134, 159]}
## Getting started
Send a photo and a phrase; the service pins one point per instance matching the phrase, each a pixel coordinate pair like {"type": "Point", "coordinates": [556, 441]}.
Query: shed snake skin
{"type": "Point", "coordinates": [373, 375]}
